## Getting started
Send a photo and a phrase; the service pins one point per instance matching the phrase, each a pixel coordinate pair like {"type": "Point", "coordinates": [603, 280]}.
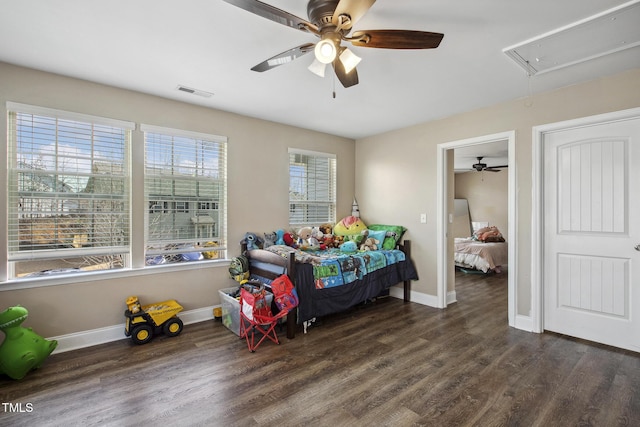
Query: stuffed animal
{"type": "Point", "coordinates": [349, 226]}
{"type": "Point", "coordinates": [269, 239]}
{"type": "Point", "coordinates": [303, 237]}
{"type": "Point", "coordinates": [349, 246]}
{"type": "Point", "coordinates": [306, 241]}
{"type": "Point", "coordinates": [289, 239]}
{"type": "Point", "coordinates": [370, 244]}
{"type": "Point", "coordinates": [326, 228]}
{"type": "Point", "coordinates": [22, 349]}
{"type": "Point", "coordinates": [319, 236]}
{"type": "Point", "coordinates": [280, 237]}
{"type": "Point", "coordinates": [252, 241]}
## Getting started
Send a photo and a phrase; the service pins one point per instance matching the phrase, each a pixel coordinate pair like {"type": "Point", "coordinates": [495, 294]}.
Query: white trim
{"type": "Point", "coordinates": [441, 235]}
{"type": "Point", "coordinates": [537, 203]}
{"type": "Point", "coordinates": [182, 133]}
{"type": "Point", "coordinates": [108, 334]}
{"type": "Point", "coordinates": [311, 153]}
{"type": "Point", "coordinates": [417, 297]}
{"type": "Point", "coordinates": [87, 276]}
{"type": "Point", "coordinates": [524, 323]}
{"type": "Point", "coordinates": [82, 339]}
{"type": "Point", "coordinates": [69, 115]}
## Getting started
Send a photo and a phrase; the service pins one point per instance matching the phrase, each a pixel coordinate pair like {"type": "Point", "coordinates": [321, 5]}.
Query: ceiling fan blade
{"type": "Point", "coordinates": [347, 79]}
{"type": "Point", "coordinates": [353, 8]}
{"type": "Point", "coordinates": [396, 39]}
{"type": "Point", "coordinates": [284, 57]}
{"type": "Point", "coordinates": [495, 168]}
{"type": "Point", "coordinates": [274, 14]}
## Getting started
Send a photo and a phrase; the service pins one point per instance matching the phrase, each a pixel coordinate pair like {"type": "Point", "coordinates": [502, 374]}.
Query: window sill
{"type": "Point", "coordinates": [67, 279]}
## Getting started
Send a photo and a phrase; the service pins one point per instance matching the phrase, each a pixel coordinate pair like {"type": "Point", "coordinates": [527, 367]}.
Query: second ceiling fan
{"type": "Point", "coordinates": [332, 21]}
{"type": "Point", "coordinates": [483, 166]}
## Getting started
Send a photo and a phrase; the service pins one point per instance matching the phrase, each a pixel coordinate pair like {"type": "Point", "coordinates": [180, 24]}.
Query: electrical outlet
{"type": "Point", "coordinates": [423, 218]}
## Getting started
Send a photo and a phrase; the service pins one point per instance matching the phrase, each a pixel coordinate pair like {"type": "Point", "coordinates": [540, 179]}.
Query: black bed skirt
{"type": "Point", "coordinates": [321, 302]}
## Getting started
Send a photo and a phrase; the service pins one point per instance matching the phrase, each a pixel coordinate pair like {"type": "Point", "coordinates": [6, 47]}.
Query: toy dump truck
{"type": "Point", "coordinates": [145, 321]}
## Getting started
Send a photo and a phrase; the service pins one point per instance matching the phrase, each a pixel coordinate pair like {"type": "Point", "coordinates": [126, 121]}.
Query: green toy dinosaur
{"type": "Point", "coordinates": [22, 350]}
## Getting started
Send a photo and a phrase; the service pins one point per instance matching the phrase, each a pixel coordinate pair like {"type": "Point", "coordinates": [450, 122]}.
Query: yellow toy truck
{"type": "Point", "coordinates": [145, 321]}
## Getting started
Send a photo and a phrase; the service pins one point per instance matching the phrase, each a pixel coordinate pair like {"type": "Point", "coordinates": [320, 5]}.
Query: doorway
{"type": "Point", "coordinates": [446, 269]}
{"type": "Point", "coordinates": [586, 233]}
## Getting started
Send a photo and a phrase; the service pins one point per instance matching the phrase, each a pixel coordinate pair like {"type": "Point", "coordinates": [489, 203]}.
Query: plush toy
{"type": "Point", "coordinates": [280, 237]}
{"type": "Point", "coordinates": [303, 235]}
{"type": "Point", "coordinates": [370, 244]}
{"type": "Point", "coordinates": [22, 350]}
{"type": "Point", "coordinates": [349, 226]}
{"type": "Point", "coordinates": [306, 241]}
{"type": "Point", "coordinates": [252, 241]}
{"type": "Point", "coordinates": [326, 228]}
{"type": "Point", "coordinates": [319, 236]}
{"type": "Point", "coordinates": [289, 239]}
{"type": "Point", "coordinates": [349, 246]}
{"type": "Point", "coordinates": [269, 239]}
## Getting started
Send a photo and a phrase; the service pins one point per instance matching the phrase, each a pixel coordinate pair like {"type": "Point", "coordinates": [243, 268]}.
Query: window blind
{"type": "Point", "coordinates": [185, 192]}
{"type": "Point", "coordinates": [68, 189]}
{"type": "Point", "coordinates": [312, 188]}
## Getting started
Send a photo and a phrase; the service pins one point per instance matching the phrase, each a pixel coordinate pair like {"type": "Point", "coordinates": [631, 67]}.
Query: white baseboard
{"type": "Point", "coordinates": [417, 297]}
{"type": "Point", "coordinates": [107, 334]}
{"type": "Point", "coordinates": [524, 323]}
{"type": "Point", "coordinates": [452, 297]}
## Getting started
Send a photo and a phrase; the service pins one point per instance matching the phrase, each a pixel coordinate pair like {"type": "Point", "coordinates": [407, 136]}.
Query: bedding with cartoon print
{"type": "Point", "coordinates": [332, 267]}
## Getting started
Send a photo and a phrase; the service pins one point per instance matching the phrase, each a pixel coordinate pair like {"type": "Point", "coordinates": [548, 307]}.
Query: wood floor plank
{"type": "Point", "coordinates": [386, 363]}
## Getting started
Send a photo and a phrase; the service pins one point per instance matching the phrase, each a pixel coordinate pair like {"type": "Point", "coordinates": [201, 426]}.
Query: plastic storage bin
{"type": "Point", "coordinates": [231, 308]}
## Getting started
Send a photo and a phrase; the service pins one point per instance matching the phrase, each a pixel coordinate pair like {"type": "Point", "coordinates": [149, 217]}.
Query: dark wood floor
{"type": "Point", "coordinates": [384, 364]}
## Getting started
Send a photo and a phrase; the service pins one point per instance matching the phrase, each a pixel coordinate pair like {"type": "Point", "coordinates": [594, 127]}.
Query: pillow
{"type": "Point", "coordinates": [379, 235]}
{"type": "Point", "coordinates": [393, 234]}
{"type": "Point", "coordinates": [348, 226]}
{"type": "Point", "coordinates": [488, 234]}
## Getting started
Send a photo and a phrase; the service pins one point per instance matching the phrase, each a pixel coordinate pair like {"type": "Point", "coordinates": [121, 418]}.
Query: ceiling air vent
{"type": "Point", "coordinates": [195, 91]}
{"type": "Point", "coordinates": [607, 32]}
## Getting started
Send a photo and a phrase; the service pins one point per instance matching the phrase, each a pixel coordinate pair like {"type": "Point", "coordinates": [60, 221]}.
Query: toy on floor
{"type": "Point", "coordinates": [145, 321]}
{"type": "Point", "coordinates": [22, 349]}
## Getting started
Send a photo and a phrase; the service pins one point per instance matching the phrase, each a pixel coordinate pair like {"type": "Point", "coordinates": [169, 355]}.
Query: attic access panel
{"type": "Point", "coordinates": [607, 32]}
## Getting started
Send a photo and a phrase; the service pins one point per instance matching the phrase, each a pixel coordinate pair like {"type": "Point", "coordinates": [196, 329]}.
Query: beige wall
{"type": "Point", "coordinates": [396, 171]}
{"type": "Point", "coordinates": [487, 194]}
{"type": "Point", "coordinates": [394, 180]}
{"type": "Point", "coordinates": [257, 201]}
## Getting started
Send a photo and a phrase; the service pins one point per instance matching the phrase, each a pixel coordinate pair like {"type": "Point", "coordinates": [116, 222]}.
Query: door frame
{"type": "Point", "coordinates": [443, 261]}
{"type": "Point", "coordinates": [537, 214]}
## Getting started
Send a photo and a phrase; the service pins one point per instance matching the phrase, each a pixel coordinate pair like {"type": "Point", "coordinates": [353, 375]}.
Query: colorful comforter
{"type": "Point", "coordinates": [333, 268]}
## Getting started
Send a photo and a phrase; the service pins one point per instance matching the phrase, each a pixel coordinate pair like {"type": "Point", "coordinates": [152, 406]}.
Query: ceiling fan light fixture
{"type": "Point", "coordinates": [325, 51]}
{"type": "Point", "coordinates": [317, 68]}
{"type": "Point", "coordinates": [349, 60]}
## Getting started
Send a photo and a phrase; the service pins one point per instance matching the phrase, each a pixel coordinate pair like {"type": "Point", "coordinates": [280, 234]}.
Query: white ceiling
{"type": "Point", "coordinates": [493, 154]}
{"type": "Point", "coordinates": [153, 46]}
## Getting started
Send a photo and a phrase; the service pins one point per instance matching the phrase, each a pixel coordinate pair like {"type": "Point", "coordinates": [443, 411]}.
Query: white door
{"type": "Point", "coordinates": [592, 233]}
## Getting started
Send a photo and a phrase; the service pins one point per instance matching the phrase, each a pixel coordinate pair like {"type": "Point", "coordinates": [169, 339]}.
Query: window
{"type": "Point", "coordinates": [68, 206]}
{"type": "Point", "coordinates": [185, 188]}
{"type": "Point", "coordinates": [312, 188]}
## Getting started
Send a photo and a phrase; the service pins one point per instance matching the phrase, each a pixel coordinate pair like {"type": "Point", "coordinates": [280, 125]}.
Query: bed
{"type": "Point", "coordinates": [478, 255]}
{"type": "Point", "coordinates": [366, 276]}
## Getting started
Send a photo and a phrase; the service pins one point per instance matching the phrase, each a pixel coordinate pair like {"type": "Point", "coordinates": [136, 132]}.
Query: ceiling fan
{"type": "Point", "coordinates": [332, 21]}
{"type": "Point", "coordinates": [483, 166]}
